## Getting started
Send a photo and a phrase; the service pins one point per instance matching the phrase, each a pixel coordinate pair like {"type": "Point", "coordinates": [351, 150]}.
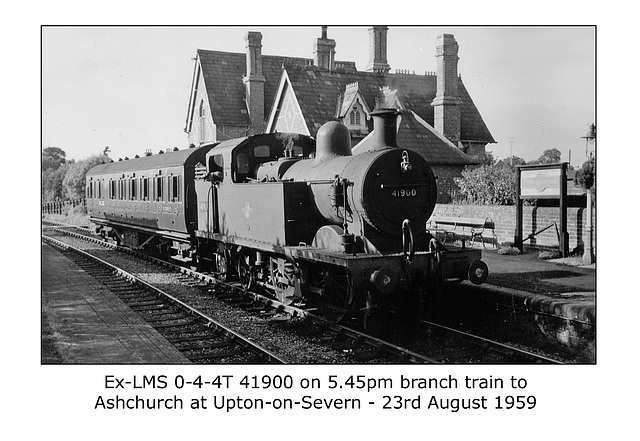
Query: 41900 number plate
{"type": "Point", "coordinates": [403, 192]}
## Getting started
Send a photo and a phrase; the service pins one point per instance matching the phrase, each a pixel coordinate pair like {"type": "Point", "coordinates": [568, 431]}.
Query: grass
{"type": "Point", "coordinates": [49, 351]}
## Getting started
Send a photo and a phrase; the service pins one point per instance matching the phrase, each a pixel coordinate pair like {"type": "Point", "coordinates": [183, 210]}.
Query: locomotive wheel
{"type": "Point", "coordinates": [336, 296]}
{"type": "Point", "coordinates": [245, 272]}
{"type": "Point", "coordinates": [223, 263]}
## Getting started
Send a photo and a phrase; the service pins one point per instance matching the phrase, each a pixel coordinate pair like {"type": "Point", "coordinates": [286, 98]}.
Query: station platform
{"type": "Point", "coordinates": [90, 325]}
{"type": "Point", "coordinates": [545, 286]}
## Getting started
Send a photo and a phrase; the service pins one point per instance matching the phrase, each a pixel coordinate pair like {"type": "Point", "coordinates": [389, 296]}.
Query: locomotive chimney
{"type": "Point", "coordinates": [384, 128]}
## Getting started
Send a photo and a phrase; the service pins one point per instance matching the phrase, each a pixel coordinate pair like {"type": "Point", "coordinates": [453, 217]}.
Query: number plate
{"type": "Point", "coordinates": [403, 192]}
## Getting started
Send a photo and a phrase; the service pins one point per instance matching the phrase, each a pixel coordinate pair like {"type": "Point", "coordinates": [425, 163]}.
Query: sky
{"type": "Point", "coordinates": [128, 87]}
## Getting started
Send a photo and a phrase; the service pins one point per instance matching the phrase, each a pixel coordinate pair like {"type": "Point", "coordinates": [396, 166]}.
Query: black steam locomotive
{"type": "Point", "coordinates": [305, 219]}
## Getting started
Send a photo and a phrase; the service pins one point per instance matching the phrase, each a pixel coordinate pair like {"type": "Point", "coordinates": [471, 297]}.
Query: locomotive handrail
{"type": "Point", "coordinates": [408, 249]}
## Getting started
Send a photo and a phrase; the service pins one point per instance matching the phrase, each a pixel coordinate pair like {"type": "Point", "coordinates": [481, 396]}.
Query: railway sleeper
{"type": "Point", "coordinates": [176, 340]}
{"type": "Point", "coordinates": [214, 345]}
{"type": "Point", "coordinates": [227, 354]}
{"type": "Point", "coordinates": [175, 325]}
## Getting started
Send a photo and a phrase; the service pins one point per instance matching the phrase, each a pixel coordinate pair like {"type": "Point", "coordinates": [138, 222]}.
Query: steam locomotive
{"type": "Point", "coordinates": [304, 219]}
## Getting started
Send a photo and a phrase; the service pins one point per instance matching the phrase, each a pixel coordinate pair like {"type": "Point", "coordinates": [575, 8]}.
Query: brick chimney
{"type": "Point", "coordinates": [378, 50]}
{"type": "Point", "coordinates": [446, 103]}
{"type": "Point", "coordinates": [254, 82]}
{"type": "Point", "coordinates": [324, 51]}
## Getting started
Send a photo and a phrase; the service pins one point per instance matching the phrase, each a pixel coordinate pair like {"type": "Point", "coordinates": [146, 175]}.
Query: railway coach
{"type": "Point", "coordinates": [148, 202]}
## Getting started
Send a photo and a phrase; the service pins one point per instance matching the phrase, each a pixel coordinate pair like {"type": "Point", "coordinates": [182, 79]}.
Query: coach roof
{"type": "Point", "coordinates": [169, 159]}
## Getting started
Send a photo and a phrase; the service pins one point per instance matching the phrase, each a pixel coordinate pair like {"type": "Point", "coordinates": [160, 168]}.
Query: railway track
{"type": "Point", "coordinates": [442, 344]}
{"type": "Point", "coordinates": [199, 337]}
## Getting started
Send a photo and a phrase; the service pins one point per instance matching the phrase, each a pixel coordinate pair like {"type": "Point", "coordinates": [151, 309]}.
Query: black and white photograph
{"type": "Point", "coordinates": [314, 226]}
{"type": "Point", "coordinates": [302, 203]}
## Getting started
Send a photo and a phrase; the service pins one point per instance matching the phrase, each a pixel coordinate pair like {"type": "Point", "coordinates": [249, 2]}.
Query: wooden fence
{"type": "Point", "coordinates": [58, 207]}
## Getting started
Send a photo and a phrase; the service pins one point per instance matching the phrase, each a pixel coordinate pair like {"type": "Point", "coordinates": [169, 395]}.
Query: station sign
{"type": "Point", "coordinates": [540, 183]}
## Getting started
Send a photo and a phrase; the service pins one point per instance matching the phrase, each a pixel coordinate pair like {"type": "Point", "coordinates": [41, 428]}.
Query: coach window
{"type": "Point", "coordinates": [112, 189]}
{"type": "Point", "coordinates": [133, 190]}
{"type": "Point", "coordinates": [175, 188]}
{"type": "Point", "coordinates": [159, 189]}
{"type": "Point", "coordinates": [145, 189]}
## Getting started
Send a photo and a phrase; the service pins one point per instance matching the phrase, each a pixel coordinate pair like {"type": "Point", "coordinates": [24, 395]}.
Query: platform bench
{"type": "Point", "coordinates": [462, 228]}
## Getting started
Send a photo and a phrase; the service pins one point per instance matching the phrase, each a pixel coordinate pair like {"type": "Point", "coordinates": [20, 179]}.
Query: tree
{"type": "Point", "coordinates": [53, 157]}
{"type": "Point", "coordinates": [488, 185]}
{"type": "Point", "coordinates": [52, 187]}
{"type": "Point", "coordinates": [511, 162]}
{"type": "Point", "coordinates": [586, 176]}
{"type": "Point", "coordinates": [488, 159]}
{"type": "Point", "coordinates": [75, 178]}
{"type": "Point", "coordinates": [549, 156]}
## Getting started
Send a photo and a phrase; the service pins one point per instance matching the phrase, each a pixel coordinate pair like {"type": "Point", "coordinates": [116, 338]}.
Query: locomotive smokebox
{"type": "Point", "coordinates": [384, 128]}
{"type": "Point", "coordinates": [332, 140]}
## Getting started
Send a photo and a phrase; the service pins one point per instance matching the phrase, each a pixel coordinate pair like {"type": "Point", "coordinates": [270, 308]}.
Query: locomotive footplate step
{"type": "Point", "coordinates": [91, 325]}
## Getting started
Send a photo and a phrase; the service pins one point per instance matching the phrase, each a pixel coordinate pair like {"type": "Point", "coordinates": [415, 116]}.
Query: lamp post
{"type": "Point", "coordinates": [587, 256]}
{"type": "Point", "coordinates": [590, 140]}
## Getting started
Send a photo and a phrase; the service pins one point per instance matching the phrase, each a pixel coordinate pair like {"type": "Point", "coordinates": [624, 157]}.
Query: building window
{"type": "Point", "coordinates": [354, 117]}
{"type": "Point", "coordinates": [201, 123]}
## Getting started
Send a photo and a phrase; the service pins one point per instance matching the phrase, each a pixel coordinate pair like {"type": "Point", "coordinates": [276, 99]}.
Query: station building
{"type": "Point", "coordinates": [239, 94]}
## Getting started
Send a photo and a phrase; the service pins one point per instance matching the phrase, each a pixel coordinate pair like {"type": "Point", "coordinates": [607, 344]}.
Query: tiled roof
{"type": "Point", "coordinates": [414, 135]}
{"type": "Point", "coordinates": [317, 91]}
{"type": "Point", "coordinates": [223, 73]}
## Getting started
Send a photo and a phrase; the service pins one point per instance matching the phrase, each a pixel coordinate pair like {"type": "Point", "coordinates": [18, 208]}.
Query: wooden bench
{"type": "Point", "coordinates": [462, 228]}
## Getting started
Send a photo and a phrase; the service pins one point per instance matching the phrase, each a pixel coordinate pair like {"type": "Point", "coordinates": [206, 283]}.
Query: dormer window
{"type": "Point", "coordinates": [354, 118]}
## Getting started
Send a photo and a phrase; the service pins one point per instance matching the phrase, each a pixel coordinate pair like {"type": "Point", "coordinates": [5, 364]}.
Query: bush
{"type": "Point", "coordinates": [546, 255]}
{"type": "Point", "coordinates": [508, 250]}
{"type": "Point", "coordinates": [487, 185]}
